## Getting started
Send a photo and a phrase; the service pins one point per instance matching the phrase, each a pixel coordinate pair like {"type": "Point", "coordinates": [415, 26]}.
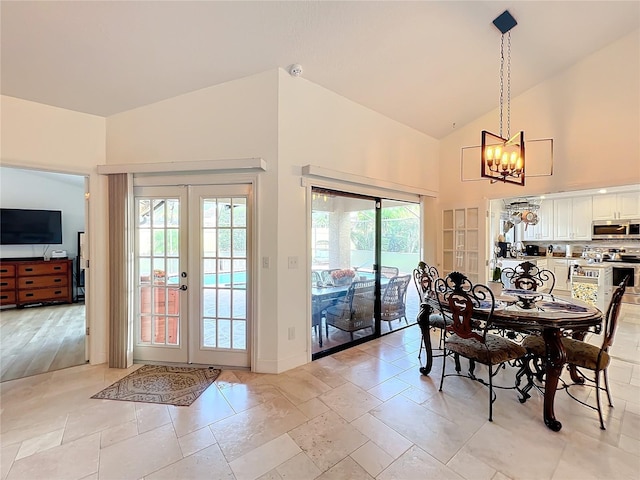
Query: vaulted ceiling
{"type": "Point", "coordinates": [428, 64]}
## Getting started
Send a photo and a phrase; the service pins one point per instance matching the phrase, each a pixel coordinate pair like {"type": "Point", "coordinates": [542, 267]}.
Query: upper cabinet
{"type": "Point", "coordinates": [572, 218]}
{"type": "Point", "coordinates": [614, 206]}
{"type": "Point", "coordinates": [544, 229]}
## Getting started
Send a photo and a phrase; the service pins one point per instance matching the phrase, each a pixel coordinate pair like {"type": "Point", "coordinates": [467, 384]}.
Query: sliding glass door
{"type": "Point", "coordinates": [352, 299]}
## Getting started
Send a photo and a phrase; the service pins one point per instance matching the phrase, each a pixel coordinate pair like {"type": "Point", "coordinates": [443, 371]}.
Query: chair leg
{"type": "Point", "coordinates": [351, 333]}
{"type": "Point", "coordinates": [606, 386]}
{"type": "Point", "coordinates": [444, 363]}
{"type": "Point", "coordinates": [491, 392]}
{"type": "Point", "coordinates": [598, 399]}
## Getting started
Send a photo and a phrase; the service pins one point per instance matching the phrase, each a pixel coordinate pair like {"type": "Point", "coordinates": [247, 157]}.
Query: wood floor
{"type": "Point", "coordinates": [40, 339]}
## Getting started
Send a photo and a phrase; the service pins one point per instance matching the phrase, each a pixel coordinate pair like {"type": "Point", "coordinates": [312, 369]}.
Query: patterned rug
{"type": "Point", "coordinates": [161, 384]}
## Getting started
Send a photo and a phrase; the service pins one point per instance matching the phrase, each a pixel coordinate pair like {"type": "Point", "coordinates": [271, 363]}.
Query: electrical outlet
{"type": "Point", "coordinates": [292, 333]}
{"type": "Point", "coordinates": [293, 262]}
{"type": "Point", "coordinates": [265, 262]}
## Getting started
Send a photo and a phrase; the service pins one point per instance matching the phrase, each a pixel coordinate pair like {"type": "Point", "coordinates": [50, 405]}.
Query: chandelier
{"type": "Point", "coordinates": [503, 156]}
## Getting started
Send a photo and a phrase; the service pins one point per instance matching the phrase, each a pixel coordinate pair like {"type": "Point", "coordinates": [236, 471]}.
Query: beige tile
{"type": "Point", "coordinates": [347, 469]}
{"type": "Point", "coordinates": [241, 397]}
{"type": "Point", "coordinates": [298, 385]}
{"type": "Point", "coordinates": [206, 463]}
{"type": "Point", "coordinates": [210, 407]}
{"type": "Point", "coordinates": [387, 389]}
{"type": "Point", "coordinates": [102, 415]}
{"type": "Point", "coordinates": [499, 448]}
{"type": "Point", "coordinates": [383, 436]}
{"type": "Point", "coordinates": [300, 467]}
{"type": "Point", "coordinates": [40, 443]}
{"type": "Point", "coordinates": [118, 433]}
{"type": "Point", "coordinates": [70, 460]}
{"type": "Point", "coordinates": [372, 458]}
{"type": "Point", "coordinates": [349, 401]}
{"type": "Point", "coordinates": [471, 468]}
{"type": "Point", "coordinates": [264, 458]}
{"type": "Point", "coordinates": [415, 463]}
{"type": "Point", "coordinates": [151, 415]}
{"type": "Point", "coordinates": [195, 441]}
{"type": "Point", "coordinates": [7, 455]}
{"type": "Point", "coordinates": [438, 436]}
{"type": "Point", "coordinates": [327, 439]}
{"type": "Point", "coordinates": [586, 458]}
{"type": "Point", "coordinates": [370, 373]}
{"type": "Point", "coordinates": [136, 457]}
{"type": "Point", "coordinates": [272, 475]}
{"type": "Point", "coordinates": [241, 433]}
{"type": "Point", "coordinates": [312, 408]}
{"type": "Point", "coordinates": [630, 445]}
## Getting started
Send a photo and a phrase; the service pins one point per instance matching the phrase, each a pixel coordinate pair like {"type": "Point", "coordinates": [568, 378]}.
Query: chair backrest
{"type": "Point", "coordinates": [361, 298]}
{"type": "Point", "coordinates": [389, 272]}
{"type": "Point", "coordinates": [611, 318]}
{"type": "Point", "coordinates": [460, 298]}
{"type": "Point", "coordinates": [527, 276]}
{"type": "Point", "coordinates": [395, 293]}
{"type": "Point", "coordinates": [424, 277]}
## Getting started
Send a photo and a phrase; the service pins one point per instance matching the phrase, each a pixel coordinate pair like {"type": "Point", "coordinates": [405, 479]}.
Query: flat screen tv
{"type": "Point", "coordinates": [29, 227]}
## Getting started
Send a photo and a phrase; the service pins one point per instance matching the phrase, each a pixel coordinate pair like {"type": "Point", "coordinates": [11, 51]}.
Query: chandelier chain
{"type": "Point", "coordinates": [509, 86]}
{"type": "Point", "coordinates": [501, 80]}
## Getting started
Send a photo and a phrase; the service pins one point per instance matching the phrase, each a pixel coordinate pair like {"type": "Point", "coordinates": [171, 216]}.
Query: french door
{"type": "Point", "coordinates": [192, 274]}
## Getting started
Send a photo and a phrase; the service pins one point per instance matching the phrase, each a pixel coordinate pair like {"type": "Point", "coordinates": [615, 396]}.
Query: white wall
{"type": "Point", "coordinates": [31, 189]}
{"type": "Point", "coordinates": [41, 137]}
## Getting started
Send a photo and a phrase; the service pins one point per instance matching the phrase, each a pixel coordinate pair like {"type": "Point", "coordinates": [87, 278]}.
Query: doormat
{"type": "Point", "coordinates": [161, 384]}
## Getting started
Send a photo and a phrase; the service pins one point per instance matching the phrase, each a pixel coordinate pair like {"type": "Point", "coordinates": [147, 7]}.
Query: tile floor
{"type": "Point", "coordinates": [360, 414]}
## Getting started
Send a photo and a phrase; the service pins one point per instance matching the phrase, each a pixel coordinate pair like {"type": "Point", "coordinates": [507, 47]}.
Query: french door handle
{"type": "Point", "coordinates": [183, 287]}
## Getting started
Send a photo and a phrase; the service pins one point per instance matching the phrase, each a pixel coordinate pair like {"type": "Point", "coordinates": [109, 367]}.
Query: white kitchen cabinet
{"type": "Point", "coordinates": [544, 229]}
{"type": "Point", "coordinates": [614, 206]}
{"type": "Point", "coordinates": [572, 218]}
{"type": "Point", "coordinates": [560, 269]}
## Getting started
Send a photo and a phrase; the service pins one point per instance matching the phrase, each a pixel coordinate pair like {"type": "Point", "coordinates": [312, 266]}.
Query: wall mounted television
{"type": "Point", "coordinates": [30, 227]}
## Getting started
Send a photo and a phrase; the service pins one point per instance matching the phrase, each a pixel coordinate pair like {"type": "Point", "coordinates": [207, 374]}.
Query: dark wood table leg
{"type": "Point", "coordinates": [556, 357]}
{"type": "Point", "coordinates": [423, 322]}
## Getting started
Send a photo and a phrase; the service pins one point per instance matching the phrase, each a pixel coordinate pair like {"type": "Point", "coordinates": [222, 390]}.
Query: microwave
{"type": "Point", "coordinates": [615, 229]}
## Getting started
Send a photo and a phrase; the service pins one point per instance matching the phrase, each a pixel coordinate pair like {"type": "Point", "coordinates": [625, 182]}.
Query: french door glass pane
{"type": "Point", "coordinates": [158, 267]}
{"type": "Point", "coordinates": [343, 280]}
{"type": "Point", "coordinates": [224, 270]}
{"type": "Point", "coordinates": [400, 237]}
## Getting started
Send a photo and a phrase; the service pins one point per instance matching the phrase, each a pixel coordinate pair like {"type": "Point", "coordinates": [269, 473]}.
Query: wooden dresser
{"type": "Point", "coordinates": [26, 281]}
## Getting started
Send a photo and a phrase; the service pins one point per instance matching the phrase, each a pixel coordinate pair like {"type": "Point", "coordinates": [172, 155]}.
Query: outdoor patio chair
{"type": "Point", "coordinates": [355, 312]}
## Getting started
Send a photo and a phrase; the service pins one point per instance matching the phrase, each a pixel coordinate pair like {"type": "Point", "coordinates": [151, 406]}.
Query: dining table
{"type": "Point", "coordinates": [530, 312]}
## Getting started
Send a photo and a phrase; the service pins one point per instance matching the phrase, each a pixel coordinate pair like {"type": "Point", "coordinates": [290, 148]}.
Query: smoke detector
{"type": "Point", "coordinates": [295, 70]}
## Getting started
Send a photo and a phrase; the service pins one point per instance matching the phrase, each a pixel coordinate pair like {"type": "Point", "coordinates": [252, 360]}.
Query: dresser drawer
{"type": "Point", "coordinates": [39, 282]}
{"type": "Point", "coordinates": [8, 298]}
{"type": "Point", "coordinates": [7, 271]}
{"type": "Point", "coordinates": [25, 296]}
{"type": "Point", "coordinates": [7, 284]}
{"type": "Point", "coordinates": [43, 268]}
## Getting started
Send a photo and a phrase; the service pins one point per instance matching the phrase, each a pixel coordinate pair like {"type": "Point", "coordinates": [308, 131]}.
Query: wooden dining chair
{"type": "Point", "coordinates": [528, 276]}
{"type": "Point", "coordinates": [585, 355]}
{"type": "Point", "coordinates": [393, 302]}
{"type": "Point", "coordinates": [471, 307]}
